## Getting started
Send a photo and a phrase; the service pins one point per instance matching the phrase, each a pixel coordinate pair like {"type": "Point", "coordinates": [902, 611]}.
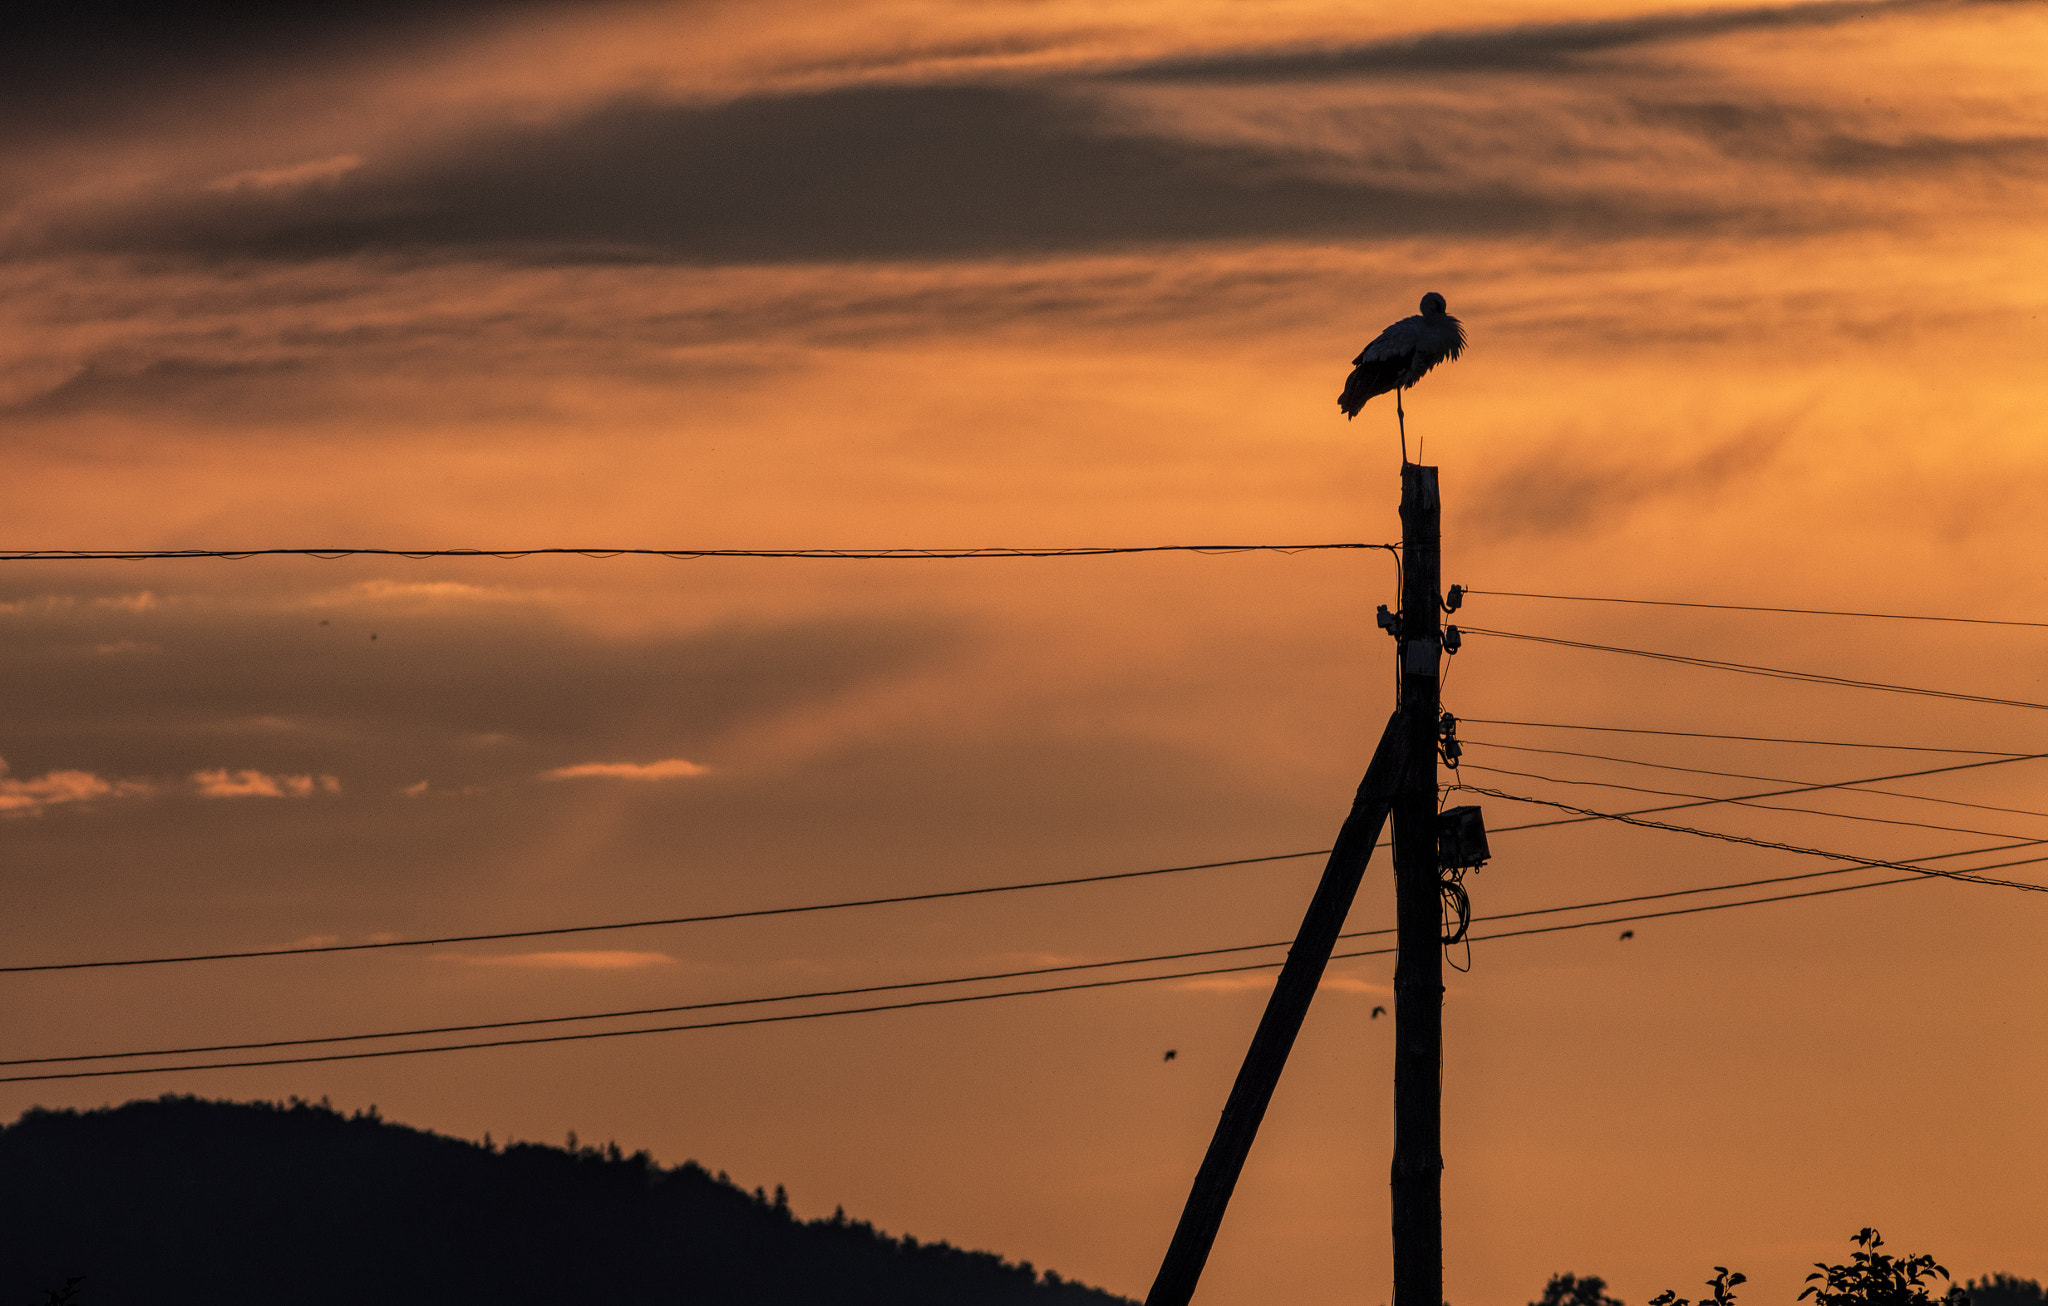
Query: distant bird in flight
{"type": "Point", "coordinates": [1400, 356]}
{"type": "Point", "coordinates": [1377, 1012]}
{"type": "Point", "coordinates": [1171, 1053]}
{"type": "Point", "coordinates": [1628, 934]}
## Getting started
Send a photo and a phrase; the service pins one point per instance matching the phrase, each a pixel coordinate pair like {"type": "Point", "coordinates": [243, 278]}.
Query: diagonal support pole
{"type": "Point", "coordinates": [1285, 1009]}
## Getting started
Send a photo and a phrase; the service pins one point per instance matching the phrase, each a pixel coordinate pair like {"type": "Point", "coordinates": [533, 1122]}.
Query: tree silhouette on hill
{"type": "Point", "coordinates": [2005, 1290]}
{"type": "Point", "coordinates": [1571, 1290]}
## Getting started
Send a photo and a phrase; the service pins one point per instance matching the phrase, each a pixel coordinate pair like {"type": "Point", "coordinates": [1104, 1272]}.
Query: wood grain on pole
{"type": "Point", "coordinates": [1419, 971]}
{"type": "Point", "coordinates": [1292, 992]}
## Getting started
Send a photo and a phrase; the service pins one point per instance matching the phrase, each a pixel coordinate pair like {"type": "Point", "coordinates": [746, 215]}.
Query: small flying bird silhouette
{"type": "Point", "coordinates": [1171, 1053]}
{"type": "Point", "coordinates": [1400, 356]}
{"type": "Point", "coordinates": [1628, 934]}
{"type": "Point", "coordinates": [1377, 1012]}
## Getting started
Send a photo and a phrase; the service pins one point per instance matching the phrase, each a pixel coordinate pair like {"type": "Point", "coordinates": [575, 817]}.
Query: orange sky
{"type": "Point", "coordinates": [1755, 307]}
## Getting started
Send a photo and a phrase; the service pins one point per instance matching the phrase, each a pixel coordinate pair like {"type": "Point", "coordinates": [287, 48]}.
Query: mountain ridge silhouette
{"type": "Point", "coordinates": [181, 1200]}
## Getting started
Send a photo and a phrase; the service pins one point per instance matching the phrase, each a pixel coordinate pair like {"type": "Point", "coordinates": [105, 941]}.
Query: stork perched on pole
{"type": "Point", "coordinates": [1400, 356]}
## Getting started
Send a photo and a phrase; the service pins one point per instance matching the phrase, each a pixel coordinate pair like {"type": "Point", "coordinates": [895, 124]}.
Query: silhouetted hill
{"type": "Point", "coordinates": [182, 1201]}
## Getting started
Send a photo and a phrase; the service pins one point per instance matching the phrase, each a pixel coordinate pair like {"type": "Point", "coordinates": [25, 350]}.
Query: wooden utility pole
{"type": "Point", "coordinates": [1263, 1062]}
{"type": "Point", "coordinates": [1402, 782]}
{"type": "Point", "coordinates": [1419, 972]}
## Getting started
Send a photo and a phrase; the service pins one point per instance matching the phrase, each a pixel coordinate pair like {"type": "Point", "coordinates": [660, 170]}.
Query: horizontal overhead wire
{"type": "Point", "coordinates": [995, 975]}
{"type": "Point", "coordinates": [786, 1017]}
{"type": "Point", "coordinates": [749, 913]}
{"type": "Point", "coordinates": [842, 555]}
{"type": "Point", "coordinates": [1748, 669]}
{"type": "Point", "coordinates": [893, 899]}
{"type": "Point", "coordinates": [1753, 739]}
{"type": "Point", "coordinates": [1750, 607]}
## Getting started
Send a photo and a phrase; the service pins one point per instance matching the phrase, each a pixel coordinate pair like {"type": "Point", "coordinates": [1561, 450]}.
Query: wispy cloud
{"type": "Point", "coordinates": [1262, 981]}
{"type": "Point", "coordinates": [671, 768]}
{"type": "Point", "coordinates": [290, 177]}
{"type": "Point", "coordinates": [223, 783]}
{"type": "Point", "coordinates": [53, 788]}
{"type": "Point", "coordinates": [1524, 48]}
{"type": "Point", "coordinates": [594, 960]}
{"type": "Point", "coordinates": [1561, 489]}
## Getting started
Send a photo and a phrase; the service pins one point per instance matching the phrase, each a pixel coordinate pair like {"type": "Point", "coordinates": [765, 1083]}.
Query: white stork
{"type": "Point", "coordinates": [1400, 356]}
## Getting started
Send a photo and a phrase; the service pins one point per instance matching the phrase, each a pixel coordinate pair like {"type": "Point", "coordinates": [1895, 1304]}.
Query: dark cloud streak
{"type": "Point", "coordinates": [862, 173]}
{"type": "Point", "coordinates": [1532, 48]}
{"type": "Point", "coordinates": [65, 64]}
{"type": "Point", "coordinates": [1752, 131]}
{"type": "Point", "coordinates": [1560, 490]}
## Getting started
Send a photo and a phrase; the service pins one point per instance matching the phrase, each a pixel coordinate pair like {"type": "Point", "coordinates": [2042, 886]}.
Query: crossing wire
{"type": "Point", "coordinates": [783, 1018]}
{"type": "Point", "coordinates": [1873, 863]}
{"type": "Point", "coordinates": [1748, 607]}
{"type": "Point", "coordinates": [1748, 669]}
{"type": "Point", "coordinates": [1003, 975]}
{"type": "Point", "coordinates": [843, 555]}
{"type": "Point", "coordinates": [1744, 775]}
{"type": "Point", "coordinates": [1754, 806]}
{"type": "Point", "coordinates": [2001, 760]}
{"type": "Point", "coordinates": [932, 896]}
{"type": "Point", "coordinates": [1753, 739]}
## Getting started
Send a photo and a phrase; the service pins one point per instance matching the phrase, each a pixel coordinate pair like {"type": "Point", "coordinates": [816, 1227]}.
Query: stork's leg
{"type": "Point", "coordinates": [1403, 419]}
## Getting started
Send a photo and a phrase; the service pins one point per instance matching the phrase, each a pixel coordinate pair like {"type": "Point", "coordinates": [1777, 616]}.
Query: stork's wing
{"type": "Point", "coordinates": [1381, 365]}
{"type": "Point", "coordinates": [1397, 341]}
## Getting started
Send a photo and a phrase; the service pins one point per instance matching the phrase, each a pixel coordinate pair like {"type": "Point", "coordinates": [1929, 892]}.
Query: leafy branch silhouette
{"type": "Point", "coordinates": [1722, 1284]}
{"type": "Point", "coordinates": [1871, 1277]}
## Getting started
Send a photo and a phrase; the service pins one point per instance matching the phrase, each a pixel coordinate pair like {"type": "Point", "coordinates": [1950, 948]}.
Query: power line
{"type": "Point", "coordinates": [932, 896]}
{"type": "Point", "coordinates": [1871, 862]}
{"type": "Point", "coordinates": [1746, 775]}
{"type": "Point", "coordinates": [1068, 968]}
{"type": "Point", "coordinates": [658, 1011]}
{"type": "Point", "coordinates": [1761, 807]}
{"type": "Point", "coordinates": [660, 1029]}
{"type": "Point", "coordinates": [1779, 879]}
{"type": "Point", "coordinates": [1746, 607]}
{"type": "Point", "coordinates": [1775, 673]}
{"type": "Point", "coordinates": [935, 895]}
{"type": "Point", "coordinates": [588, 1036]}
{"type": "Point", "coordinates": [2000, 760]}
{"type": "Point", "coordinates": [1754, 739]}
{"type": "Point", "coordinates": [850, 555]}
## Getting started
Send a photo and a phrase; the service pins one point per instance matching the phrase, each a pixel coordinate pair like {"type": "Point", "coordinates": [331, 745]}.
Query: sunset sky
{"type": "Point", "coordinates": [1755, 300]}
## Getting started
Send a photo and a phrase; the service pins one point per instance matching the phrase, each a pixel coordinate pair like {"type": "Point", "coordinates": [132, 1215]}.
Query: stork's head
{"type": "Point", "coordinates": [1432, 303]}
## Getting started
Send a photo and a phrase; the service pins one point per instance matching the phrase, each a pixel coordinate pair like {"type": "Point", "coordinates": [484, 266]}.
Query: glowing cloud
{"type": "Point", "coordinates": [1262, 981]}
{"type": "Point", "coordinates": [31, 797]}
{"type": "Point", "coordinates": [568, 960]}
{"type": "Point", "coordinates": [291, 177]}
{"type": "Point", "coordinates": [672, 768]}
{"type": "Point", "coordinates": [223, 783]}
